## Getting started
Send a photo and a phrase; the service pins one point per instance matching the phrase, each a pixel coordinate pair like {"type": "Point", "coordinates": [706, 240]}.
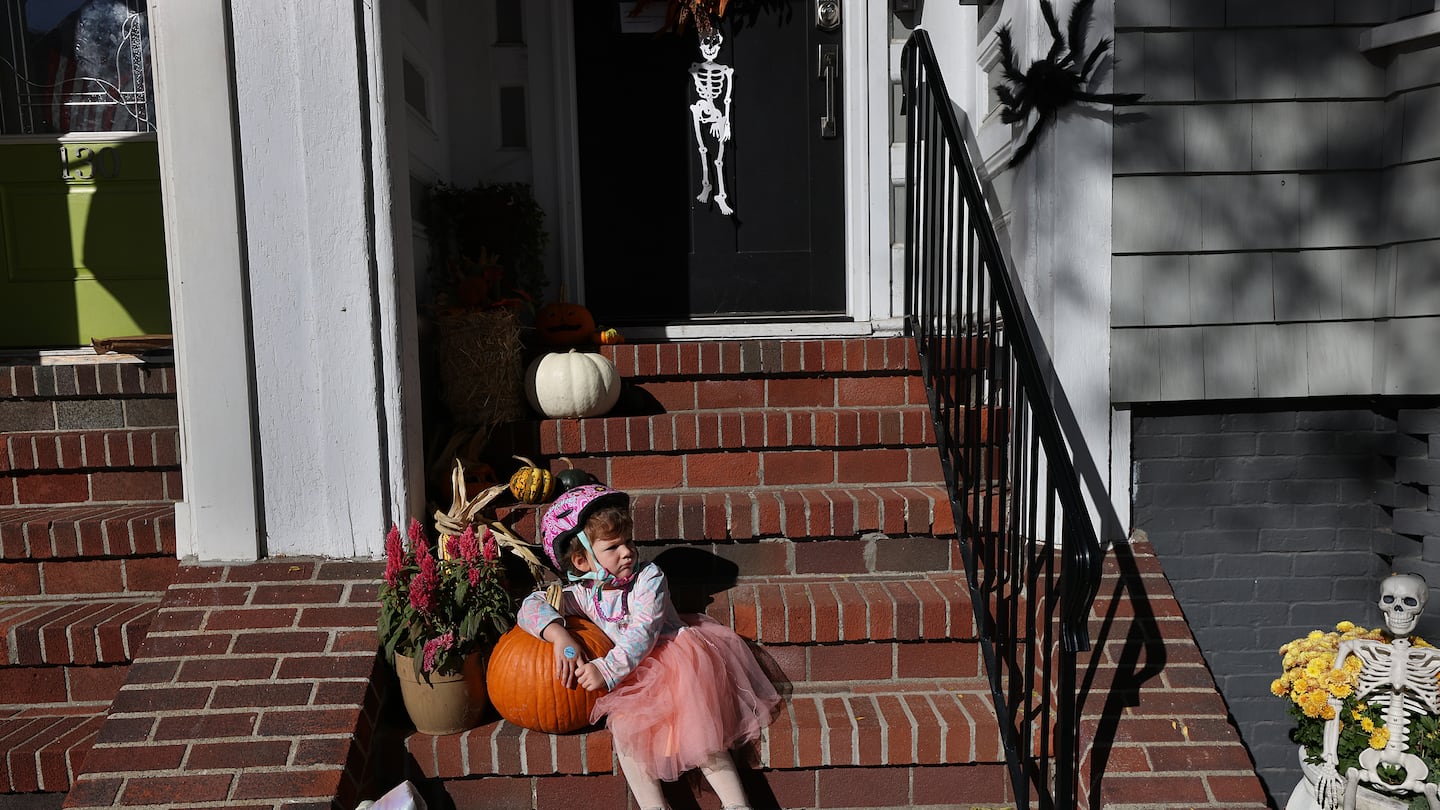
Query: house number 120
{"type": "Point", "coordinates": [88, 164]}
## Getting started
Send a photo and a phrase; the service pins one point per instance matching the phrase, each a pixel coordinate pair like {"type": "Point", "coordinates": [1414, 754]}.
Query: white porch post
{"type": "Point", "coordinates": [219, 518]}
{"type": "Point", "coordinates": [294, 314]}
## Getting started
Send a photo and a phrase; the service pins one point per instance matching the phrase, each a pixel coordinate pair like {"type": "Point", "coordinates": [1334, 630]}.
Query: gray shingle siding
{"type": "Point", "coordinates": [1274, 203]}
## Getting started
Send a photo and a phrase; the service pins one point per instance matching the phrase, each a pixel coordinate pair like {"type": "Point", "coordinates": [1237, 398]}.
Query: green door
{"type": "Point", "coordinates": [82, 237]}
{"type": "Point", "coordinates": [82, 242]}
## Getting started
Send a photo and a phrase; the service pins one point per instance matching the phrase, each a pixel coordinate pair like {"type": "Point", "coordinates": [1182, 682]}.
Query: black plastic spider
{"type": "Point", "coordinates": [1055, 81]}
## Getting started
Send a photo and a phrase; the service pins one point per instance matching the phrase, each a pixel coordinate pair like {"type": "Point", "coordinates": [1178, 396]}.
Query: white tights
{"type": "Point", "coordinates": [719, 771]}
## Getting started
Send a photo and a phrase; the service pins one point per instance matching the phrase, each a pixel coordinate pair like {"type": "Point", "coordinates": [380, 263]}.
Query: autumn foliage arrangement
{"type": "Point", "coordinates": [440, 604]}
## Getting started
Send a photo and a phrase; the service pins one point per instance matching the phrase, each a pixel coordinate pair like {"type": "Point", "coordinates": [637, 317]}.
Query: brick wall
{"type": "Point", "coordinates": [1270, 524]}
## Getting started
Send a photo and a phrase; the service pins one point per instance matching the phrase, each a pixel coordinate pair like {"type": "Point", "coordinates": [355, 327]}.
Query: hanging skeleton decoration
{"type": "Point", "coordinates": [713, 83]}
{"type": "Point", "coordinates": [1402, 678]}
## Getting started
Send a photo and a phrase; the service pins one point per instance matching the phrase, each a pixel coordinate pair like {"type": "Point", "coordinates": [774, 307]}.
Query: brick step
{"type": "Point", "coordinates": [76, 631]}
{"type": "Point", "coordinates": [796, 513]}
{"type": "Point", "coordinates": [971, 786]}
{"type": "Point", "coordinates": [42, 748]}
{"type": "Point", "coordinates": [719, 469]}
{"type": "Point", "coordinates": [50, 451]}
{"type": "Point", "coordinates": [92, 530]}
{"type": "Point", "coordinates": [48, 579]}
{"type": "Point", "coordinates": [31, 686]}
{"type": "Point", "coordinates": [910, 728]}
{"type": "Point", "coordinates": [896, 387]}
{"type": "Point", "coordinates": [23, 379]}
{"type": "Point", "coordinates": [831, 358]}
{"type": "Point", "coordinates": [752, 428]}
{"type": "Point", "coordinates": [101, 486]}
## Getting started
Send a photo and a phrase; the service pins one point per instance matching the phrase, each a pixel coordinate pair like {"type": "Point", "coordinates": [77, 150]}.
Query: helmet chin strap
{"type": "Point", "coordinates": [601, 576]}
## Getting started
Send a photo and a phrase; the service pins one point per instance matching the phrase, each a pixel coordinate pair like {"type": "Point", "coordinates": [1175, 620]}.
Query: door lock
{"type": "Point", "coordinates": [827, 14]}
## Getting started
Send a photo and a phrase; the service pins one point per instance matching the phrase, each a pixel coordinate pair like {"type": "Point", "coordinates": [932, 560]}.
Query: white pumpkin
{"type": "Point", "coordinates": [572, 384]}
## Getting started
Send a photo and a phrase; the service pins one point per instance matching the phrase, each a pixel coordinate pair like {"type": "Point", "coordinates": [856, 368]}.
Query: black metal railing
{"type": "Point", "coordinates": [1029, 543]}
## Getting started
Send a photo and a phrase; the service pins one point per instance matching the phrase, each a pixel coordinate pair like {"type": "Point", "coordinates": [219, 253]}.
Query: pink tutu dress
{"type": "Point", "coordinates": [682, 688]}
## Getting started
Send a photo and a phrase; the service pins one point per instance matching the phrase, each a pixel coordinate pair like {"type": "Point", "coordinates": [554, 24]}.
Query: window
{"type": "Point", "coordinates": [75, 66]}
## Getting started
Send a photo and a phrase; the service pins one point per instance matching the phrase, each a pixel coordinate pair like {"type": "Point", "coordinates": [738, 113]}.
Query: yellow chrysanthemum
{"type": "Point", "coordinates": [1345, 627]}
{"type": "Point", "coordinates": [1315, 635]}
{"type": "Point", "coordinates": [1379, 738]}
{"type": "Point", "coordinates": [1367, 724]}
{"type": "Point", "coordinates": [1279, 688]}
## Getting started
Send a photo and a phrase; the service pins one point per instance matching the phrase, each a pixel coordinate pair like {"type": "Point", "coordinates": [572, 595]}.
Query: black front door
{"type": "Point", "coordinates": [653, 253]}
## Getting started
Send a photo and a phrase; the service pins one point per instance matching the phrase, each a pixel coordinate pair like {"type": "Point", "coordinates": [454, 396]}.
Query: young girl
{"type": "Point", "coordinates": [683, 691]}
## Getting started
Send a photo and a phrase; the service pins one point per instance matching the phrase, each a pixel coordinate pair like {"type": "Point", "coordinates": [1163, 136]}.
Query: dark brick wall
{"type": "Point", "coordinates": [1270, 524]}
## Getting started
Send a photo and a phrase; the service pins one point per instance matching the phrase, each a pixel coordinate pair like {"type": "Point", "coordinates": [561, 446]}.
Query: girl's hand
{"type": "Point", "coordinates": [589, 677]}
{"type": "Point", "coordinates": [569, 655]}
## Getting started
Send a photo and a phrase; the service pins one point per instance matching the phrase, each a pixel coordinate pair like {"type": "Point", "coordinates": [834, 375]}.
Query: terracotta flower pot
{"type": "Point", "coordinates": [449, 703]}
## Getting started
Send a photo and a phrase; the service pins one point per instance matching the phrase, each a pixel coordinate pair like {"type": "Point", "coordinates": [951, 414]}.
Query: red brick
{"type": "Point", "coordinates": [275, 642]}
{"type": "Point", "coordinates": [91, 576]}
{"type": "Point", "coordinates": [357, 616]}
{"type": "Point", "coordinates": [35, 685]}
{"type": "Point", "coordinates": [127, 486]}
{"type": "Point", "coordinates": [314, 751]}
{"type": "Point", "coordinates": [150, 574]}
{"type": "Point", "coordinates": [250, 619]}
{"type": "Point", "coordinates": [979, 784]}
{"type": "Point", "coordinates": [126, 758]}
{"type": "Point", "coordinates": [160, 699]}
{"type": "Point", "coordinates": [308, 722]}
{"type": "Point", "coordinates": [173, 790]}
{"type": "Point", "coordinates": [866, 787]}
{"type": "Point", "coordinates": [799, 467]}
{"type": "Point", "coordinates": [326, 594]}
{"type": "Point", "coordinates": [207, 725]}
{"type": "Point", "coordinates": [226, 669]}
{"type": "Point", "coordinates": [53, 488]}
{"type": "Point", "coordinates": [850, 662]}
{"type": "Point", "coordinates": [244, 696]}
{"type": "Point", "coordinates": [500, 793]}
{"type": "Point", "coordinates": [328, 667]}
{"type": "Point", "coordinates": [816, 392]}
{"type": "Point", "coordinates": [715, 394]}
{"type": "Point", "coordinates": [1148, 789]}
{"type": "Point", "coordinates": [95, 684]}
{"type": "Point", "coordinates": [284, 784]}
{"type": "Point", "coordinates": [809, 753]}
{"type": "Point", "coordinates": [872, 466]}
{"type": "Point", "coordinates": [729, 469]}
{"type": "Point", "coordinates": [1187, 758]}
{"type": "Point", "coordinates": [648, 472]}
{"type": "Point", "coordinates": [837, 719]}
{"type": "Point", "coordinates": [1233, 790]}
{"type": "Point", "coordinates": [90, 791]}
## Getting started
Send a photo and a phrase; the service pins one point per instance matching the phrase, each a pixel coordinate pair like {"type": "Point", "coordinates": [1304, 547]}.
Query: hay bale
{"type": "Point", "coordinates": [480, 367]}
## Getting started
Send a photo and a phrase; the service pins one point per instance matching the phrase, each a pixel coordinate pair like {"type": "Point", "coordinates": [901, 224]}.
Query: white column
{"type": "Point", "coordinates": [325, 299]}
{"type": "Point", "coordinates": [218, 520]}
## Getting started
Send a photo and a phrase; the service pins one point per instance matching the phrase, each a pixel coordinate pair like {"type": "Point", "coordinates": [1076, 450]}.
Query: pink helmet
{"type": "Point", "coordinates": [567, 515]}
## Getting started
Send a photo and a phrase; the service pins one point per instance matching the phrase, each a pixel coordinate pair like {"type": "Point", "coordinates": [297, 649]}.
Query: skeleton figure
{"type": "Point", "coordinates": [713, 81]}
{"type": "Point", "coordinates": [1402, 678]}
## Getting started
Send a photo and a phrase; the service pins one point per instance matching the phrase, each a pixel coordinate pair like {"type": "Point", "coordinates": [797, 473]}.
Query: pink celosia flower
{"type": "Point", "coordinates": [465, 547]}
{"type": "Point", "coordinates": [491, 549]}
{"type": "Point", "coordinates": [422, 587]}
{"type": "Point", "coordinates": [394, 556]}
{"type": "Point", "coordinates": [418, 542]}
{"type": "Point", "coordinates": [435, 646]}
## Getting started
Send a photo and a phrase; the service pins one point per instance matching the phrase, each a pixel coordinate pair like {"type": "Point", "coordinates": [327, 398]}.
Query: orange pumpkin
{"type": "Point", "coordinates": [608, 337]}
{"type": "Point", "coordinates": [522, 683]}
{"type": "Point", "coordinates": [561, 323]}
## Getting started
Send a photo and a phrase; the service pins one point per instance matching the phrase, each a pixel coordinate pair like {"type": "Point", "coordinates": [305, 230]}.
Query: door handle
{"type": "Point", "coordinates": [829, 70]}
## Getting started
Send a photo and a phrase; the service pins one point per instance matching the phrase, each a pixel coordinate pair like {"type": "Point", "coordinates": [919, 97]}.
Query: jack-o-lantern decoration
{"type": "Point", "coordinates": [522, 683]}
{"type": "Point", "coordinates": [561, 323]}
